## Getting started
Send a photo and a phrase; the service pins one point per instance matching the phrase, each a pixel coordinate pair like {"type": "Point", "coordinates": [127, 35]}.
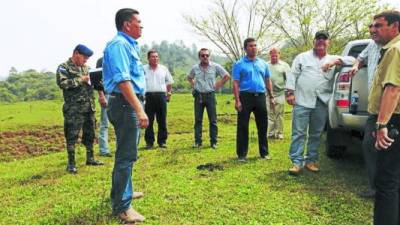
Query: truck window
{"type": "Point", "coordinates": [356, 50]}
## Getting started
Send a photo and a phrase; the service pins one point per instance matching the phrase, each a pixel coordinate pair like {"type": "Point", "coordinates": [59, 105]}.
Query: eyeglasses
{"type": "Point", "coordinates": [376, 25]}
{"type": "Point", "coordinates": [204, 55]}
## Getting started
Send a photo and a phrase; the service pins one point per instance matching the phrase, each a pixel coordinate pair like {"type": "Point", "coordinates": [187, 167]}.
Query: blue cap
{"type": "Point", "coordinates": [83, 50]}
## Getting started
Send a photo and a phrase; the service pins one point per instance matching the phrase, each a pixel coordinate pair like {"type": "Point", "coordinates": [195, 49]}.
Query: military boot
{"type": "Point", "coordinates": [71, 161]}
{"type": "Point", "coordinates": [90, 159]}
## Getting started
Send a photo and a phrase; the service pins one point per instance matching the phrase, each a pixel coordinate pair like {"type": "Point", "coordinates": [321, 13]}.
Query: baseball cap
{"type": "Point", "coordinates": [322, 33]}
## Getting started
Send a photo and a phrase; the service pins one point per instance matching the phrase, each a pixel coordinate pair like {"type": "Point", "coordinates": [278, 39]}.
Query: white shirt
{"type": "Point", "coordinates": [309, 81]}
{"type": "Point", "coordinates": [158, 79]}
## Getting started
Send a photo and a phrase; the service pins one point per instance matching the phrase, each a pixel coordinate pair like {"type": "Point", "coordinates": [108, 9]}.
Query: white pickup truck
{"type": "Point", "coordinates": [343, 125]}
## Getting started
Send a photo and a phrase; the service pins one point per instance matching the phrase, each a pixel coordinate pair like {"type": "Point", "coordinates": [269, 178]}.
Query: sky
{"type": "Point", "coordinates": [42, 34]}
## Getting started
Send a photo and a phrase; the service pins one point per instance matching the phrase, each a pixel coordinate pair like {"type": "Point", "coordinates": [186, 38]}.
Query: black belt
{"type": "Point", "coordinates": [206, 93]}
{"type": "Point", "coordinates": [119, 95]}
{"type": "Point", "coordinates": [156, 93]}
{"type": "Point", "coordinates": [244, 93]}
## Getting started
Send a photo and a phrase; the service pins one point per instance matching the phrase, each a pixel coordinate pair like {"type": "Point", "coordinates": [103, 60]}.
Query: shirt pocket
{"type": "Point", "coordinates": [210, 74]}
{"type": "Point", "coordinates": [136, 68]}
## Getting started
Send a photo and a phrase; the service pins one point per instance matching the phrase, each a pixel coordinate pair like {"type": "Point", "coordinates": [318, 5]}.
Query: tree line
{"type": "Point", "coordinates": [32, 85]}
{"type": "Point", "coordinates": [290, 24]}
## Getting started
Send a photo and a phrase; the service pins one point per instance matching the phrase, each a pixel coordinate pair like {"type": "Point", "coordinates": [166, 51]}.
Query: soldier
{"type": "Point", "coordinates": [79, 107]}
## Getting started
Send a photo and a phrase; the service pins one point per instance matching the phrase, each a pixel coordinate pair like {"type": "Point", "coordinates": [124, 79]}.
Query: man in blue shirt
{"type": "Point", "coordinates": [124, 80]}
{"type": "Point", "coordinates": [250, 80]}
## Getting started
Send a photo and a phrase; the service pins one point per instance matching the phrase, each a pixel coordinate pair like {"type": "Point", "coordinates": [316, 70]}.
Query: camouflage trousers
{"type": "Point", "coordinates": [275, 118]}
{"type": "Point", "coordinates": [74, 123]}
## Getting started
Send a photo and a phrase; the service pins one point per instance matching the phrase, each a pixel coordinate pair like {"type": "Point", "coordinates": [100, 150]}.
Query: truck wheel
{"type": "Point", "coordinates": [335, 152]}
{"type": "Point", "coordinates": [336, 142]}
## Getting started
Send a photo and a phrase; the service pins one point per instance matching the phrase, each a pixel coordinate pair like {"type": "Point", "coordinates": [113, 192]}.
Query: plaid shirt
{"type": "Point", "coordinates": [371, 55]}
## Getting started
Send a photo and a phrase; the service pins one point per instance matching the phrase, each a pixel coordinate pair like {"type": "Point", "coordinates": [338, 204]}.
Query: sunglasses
{"type": "Point", "coordinates": [204, 55]}
{"type": "Point", "coordinates": [376, 25]}
{"type": "Point", "coordinates": [321, 37]}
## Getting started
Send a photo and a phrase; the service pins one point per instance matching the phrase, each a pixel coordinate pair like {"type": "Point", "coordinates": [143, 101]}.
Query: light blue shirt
{"type": "Point", "coordinates": [121, 62]}
{"type": "Point", "coordinates": [251, 74]}
{"type": "Point", "coordinates": [205, 78]}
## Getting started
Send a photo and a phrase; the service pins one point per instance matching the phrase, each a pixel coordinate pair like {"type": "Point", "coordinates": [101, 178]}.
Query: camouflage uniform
{"type": "Point", "coordinates": [78, 108]}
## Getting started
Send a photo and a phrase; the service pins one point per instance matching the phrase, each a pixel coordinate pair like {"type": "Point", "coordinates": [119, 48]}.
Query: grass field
{"type": "Point", "coordinates": [36, 189]}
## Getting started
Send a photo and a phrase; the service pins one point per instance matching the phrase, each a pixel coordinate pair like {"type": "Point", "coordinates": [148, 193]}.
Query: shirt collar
{"type": "Point", "coordinates": [392, 42]}
{"type": "Point", "coordinates": [130, 39]}
{"type": "Point", "coordinates": [246, 59]}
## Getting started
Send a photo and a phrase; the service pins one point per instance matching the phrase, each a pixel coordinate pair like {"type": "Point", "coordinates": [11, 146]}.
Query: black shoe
{"type": "Point", "coordinates": [163, 145]}
{"type": "Point", "coordinates": [196, 145]}
{"type": "Point", "coordinates": [149, 146]}
{"type": "Point", "coordinates": [214, 146]}
{"type": "Point", "coordinates": [71, 169]}
{"type": "Point", "coordinates": [106, 154]}
{"type": "Point", "coordinates": [367, 194]}
{"type": "Point", "coordinates": [71, 161]}
{"type": "Point", "coordinates": [92, 162]}
{"type": "Point", "coordinates": [242, 159]}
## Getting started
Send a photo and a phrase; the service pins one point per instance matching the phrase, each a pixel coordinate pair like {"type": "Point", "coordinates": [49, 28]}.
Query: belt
{"type": "Point", "coordinates": [119, 95]}
{"type": "Point", "coordinates": [156, 93]}
{"type": "Point", "coordinates": [252, 93]}
{"type": "Point", "coordinates": [206, 93]}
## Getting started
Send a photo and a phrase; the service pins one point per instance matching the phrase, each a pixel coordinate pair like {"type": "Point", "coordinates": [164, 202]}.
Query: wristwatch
{"type": "Point", "coordinates": [379, 126]}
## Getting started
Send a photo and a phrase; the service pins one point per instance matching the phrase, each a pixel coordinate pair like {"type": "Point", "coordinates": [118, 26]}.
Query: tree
{"type": "Point", "coordinates": [345, 20]}
{"type": "Point", "coordinates": [29, 85]}
{"type": "Point", "coordinates": [227, 25]}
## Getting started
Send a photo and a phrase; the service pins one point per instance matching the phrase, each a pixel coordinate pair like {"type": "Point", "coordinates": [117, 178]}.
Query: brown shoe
{"type": "Point", "coordinates": [295, 170]}
{"type": "Point", "coordinates": [312, 167]}
{"type": "Point", "coordinates": [131, 216]}
{"type": "Point", "coordinates": [137, 195]}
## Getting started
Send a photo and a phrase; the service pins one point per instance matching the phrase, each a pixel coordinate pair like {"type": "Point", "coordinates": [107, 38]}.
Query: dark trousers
{"type": "Point", "coordinates": [74, 123]}
{"type": "Point", "coordinates": [252, 103]}
{"type": "Point", "coordinates": [369, 151]}
{"type": "Point", "coordinates": [201, 101]}
{"type": "Point", "coordinates": [156, 106]}
{"type": "Point", "coordinates": [387, 180]}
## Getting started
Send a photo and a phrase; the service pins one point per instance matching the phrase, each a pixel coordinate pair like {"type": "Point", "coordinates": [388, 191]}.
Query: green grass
{"type": "Point", "coordinates": [37, 190]}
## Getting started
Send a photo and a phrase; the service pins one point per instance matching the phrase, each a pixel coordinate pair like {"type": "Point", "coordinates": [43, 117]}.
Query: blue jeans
{"type": "Point", "coordinates": [313, 121]}
{"type": "Point", "coordinates": [103, 133]}
{"type": "Point", "coordinates": [123, 117]}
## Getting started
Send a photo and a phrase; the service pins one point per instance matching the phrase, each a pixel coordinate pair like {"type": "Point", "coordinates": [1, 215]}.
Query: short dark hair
{"type": "Point", "coordinates": [151, 52]}
{"type": "Point", "coordinates": [124, 15]}
{"type": "Point", "coordinates": [248, 40]}
{"type": "Point", "coordinates": [391, 16]}
{"type": "Point", "coordinates": [204, 49]}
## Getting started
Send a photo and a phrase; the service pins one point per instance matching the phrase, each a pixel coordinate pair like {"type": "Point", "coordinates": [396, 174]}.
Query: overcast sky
{"type": "Point", "coordinates": [40, 34]}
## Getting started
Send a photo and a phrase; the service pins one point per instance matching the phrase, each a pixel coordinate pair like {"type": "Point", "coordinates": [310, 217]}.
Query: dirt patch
{"type": "Point", "coordinates": [35, 141]}
{"type": "Point", "coordinates": [210, 167]}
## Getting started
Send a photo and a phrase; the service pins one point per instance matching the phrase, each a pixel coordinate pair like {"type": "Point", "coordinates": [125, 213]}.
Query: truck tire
{"type": "Point", "coordinates": [336, 142]}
